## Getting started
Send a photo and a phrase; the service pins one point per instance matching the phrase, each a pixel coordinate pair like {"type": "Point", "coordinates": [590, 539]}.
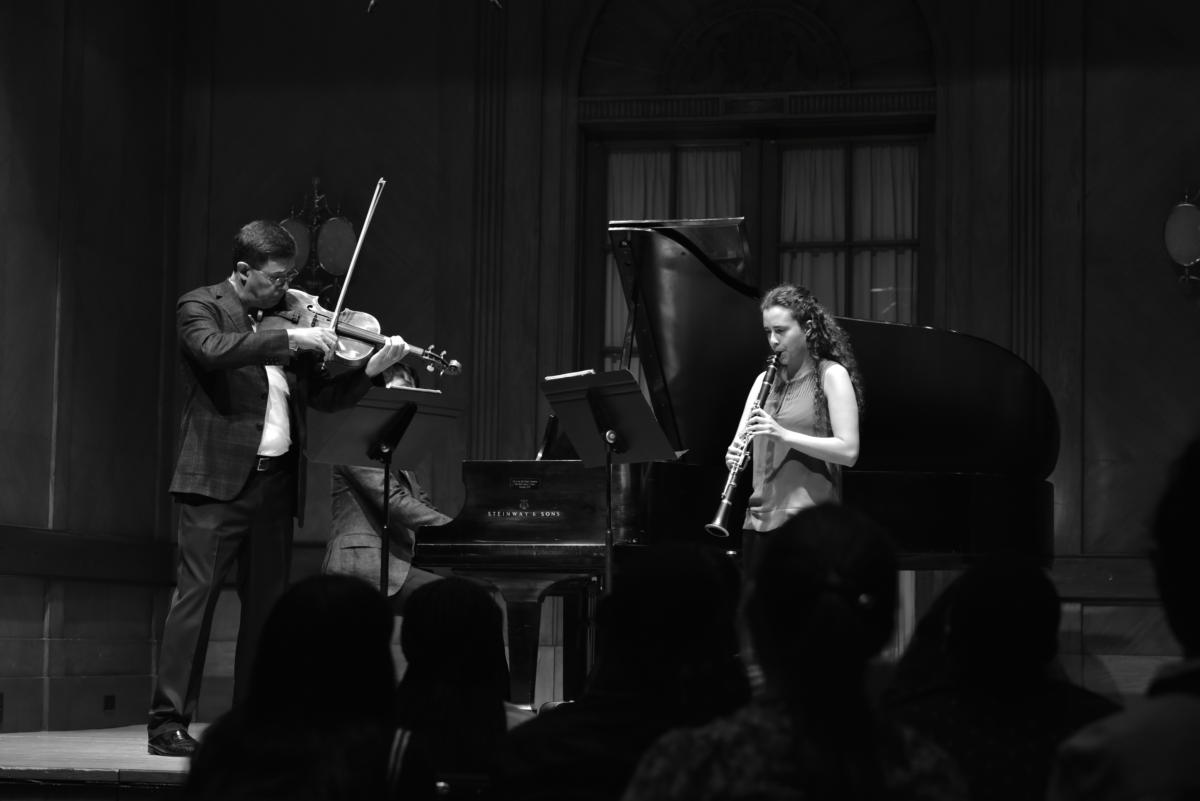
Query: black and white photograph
{"type": "Point", "coordinates": [599, 400]}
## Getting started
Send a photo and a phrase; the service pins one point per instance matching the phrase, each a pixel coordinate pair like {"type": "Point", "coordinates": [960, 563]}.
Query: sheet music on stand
{"type": "Point", "coordinates": [590, 404]}
{"type": "Point", "coordinates": [388, 428]}
{"type": "Point", "coordinates": [412, 420]}
{"type": "Point", "coordinates": [609, 421]}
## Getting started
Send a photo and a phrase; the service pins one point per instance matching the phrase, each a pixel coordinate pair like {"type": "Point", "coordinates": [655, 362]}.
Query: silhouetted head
{"type": "Point", "coordinates": [453, 691]}
{"type": "Point", "coordinates": [453, 633]}
{"type": "Point", "coordinates": [820, 604]}
{"type": "Point", "coordinates": [821, 601]}
{"type": "Point", "coordinates": [667, 629]}
{"type": "Point", "coordinates": [1176, 549]}
{"type": "Point", "coordinates": [1002, 621]}
{"type": "Point", "coordinates": [324, 657]}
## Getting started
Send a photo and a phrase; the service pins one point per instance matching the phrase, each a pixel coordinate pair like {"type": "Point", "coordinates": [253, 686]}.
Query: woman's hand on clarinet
{"type": "Point", "coordinates": [392, 352]}
{"type": "Point", "coordinates": [761, 424]}
{"type": "Point", "coordinates": [733, 453]}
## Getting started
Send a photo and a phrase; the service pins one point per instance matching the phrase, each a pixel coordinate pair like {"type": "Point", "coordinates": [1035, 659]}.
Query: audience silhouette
{"type": "Point", "coordinates": [819, 605]}
{"type": "Point", "coordinates": [317, 720]}
{"type": "Point", "coordinates": [980, 679]}
{"type": "Point", "coordinates": [450, 703]}
{"type": "Point", "coordinates": [666, 656]}
{"type": "Point", "coordinates": [1150, 750]}
{"type": "Point", "coordinates": [666, 713]}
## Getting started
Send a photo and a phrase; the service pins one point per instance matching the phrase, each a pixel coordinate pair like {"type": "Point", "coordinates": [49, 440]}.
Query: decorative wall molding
{"type": "Point", "coordinates": [487, 284]}
{"type": "Point", "coordinates": [59, 555]}
{"type": "Point", "coordinates": [739, 47]}
{"type": "Point", "coordinates": [1026, 197]}
{"type": "Point", "coordinates": [908, 103]}
{"type": "Point", "coordinates": [767, 46]}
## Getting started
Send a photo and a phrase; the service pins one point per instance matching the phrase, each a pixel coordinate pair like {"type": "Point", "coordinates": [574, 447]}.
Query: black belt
{"type": "Point", "coordinates": [272, 464]}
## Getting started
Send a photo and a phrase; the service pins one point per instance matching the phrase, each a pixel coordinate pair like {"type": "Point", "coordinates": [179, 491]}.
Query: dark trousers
{"type": "Point", "coordinates": [415, 579]}
{"type": "Point", "coordinates": [253, 531]}
{"type": "Point", "coordinates": [752, 542]}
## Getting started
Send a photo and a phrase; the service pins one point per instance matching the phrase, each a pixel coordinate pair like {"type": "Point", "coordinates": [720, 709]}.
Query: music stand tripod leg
{"type": "Point", "coordinates": [385, 457]}
{"type": "Point", "coordinates": [610, 440]}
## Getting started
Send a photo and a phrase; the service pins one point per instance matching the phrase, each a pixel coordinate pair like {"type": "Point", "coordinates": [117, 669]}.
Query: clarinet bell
{"type": "Point", "coordinates": [717, 526]}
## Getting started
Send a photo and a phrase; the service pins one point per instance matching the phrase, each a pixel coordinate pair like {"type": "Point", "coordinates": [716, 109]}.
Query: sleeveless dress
{"type": "Point", "coordinates": [785, 480]}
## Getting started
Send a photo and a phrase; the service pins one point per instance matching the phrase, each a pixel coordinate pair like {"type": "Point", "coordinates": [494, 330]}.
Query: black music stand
{"type": "Point", "coordinates": [609, 422]}
{"type": "Point", "coordinates": [388, 425]}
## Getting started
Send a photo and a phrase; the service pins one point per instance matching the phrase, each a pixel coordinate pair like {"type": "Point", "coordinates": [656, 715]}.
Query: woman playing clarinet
{"type": "Point", "coordinates": [807, 428]}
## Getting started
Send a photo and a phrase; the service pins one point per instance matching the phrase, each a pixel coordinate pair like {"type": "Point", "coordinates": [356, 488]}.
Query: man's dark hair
{"type": "Point", "coordinates": [261, 241]}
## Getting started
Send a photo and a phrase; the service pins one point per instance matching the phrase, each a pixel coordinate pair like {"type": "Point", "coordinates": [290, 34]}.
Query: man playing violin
{"type": "Point", "coordinates": [239, 478]}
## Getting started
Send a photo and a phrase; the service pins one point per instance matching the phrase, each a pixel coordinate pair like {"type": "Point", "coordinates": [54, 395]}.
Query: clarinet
{"type": "Point", "coordinates": [717, 526]}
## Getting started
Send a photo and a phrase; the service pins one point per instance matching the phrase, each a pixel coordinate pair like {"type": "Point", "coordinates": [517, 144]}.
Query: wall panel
{"type": "Point", "coordinates": [1142, 336]}
{"type": "Point", "coordinates": [85, 141]}
{"type": "Point", "coordinates": [24, 703]}
{"type": "Point", "coordinates": [31, 118]}
{"type": "Point", "coordinates": [114, 280]}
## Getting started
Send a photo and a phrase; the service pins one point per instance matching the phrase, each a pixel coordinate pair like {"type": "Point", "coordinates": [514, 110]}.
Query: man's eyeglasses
{"type": "Point", "coordinates": [281, 279]}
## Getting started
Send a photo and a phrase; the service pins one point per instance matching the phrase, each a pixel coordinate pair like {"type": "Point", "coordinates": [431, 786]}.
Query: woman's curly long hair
{"type": "Point", "coordinates": [826, 341]}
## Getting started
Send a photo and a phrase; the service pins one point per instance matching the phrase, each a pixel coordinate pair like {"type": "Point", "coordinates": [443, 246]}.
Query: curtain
{"type": "Point", "coordinates": [812, 209]}
{"type": "Point", "coordinates": [885, 208]}
{"type": "Point", "coordinates": [708, 184]}
{"type": "Point", "coordinates": [639, 188]}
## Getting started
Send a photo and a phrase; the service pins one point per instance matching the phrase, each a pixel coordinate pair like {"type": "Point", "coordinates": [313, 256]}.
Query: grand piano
{"type": "Point", "coordinates": [958, 438]}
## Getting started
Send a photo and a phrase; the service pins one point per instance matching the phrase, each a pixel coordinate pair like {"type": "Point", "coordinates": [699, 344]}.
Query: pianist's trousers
{"type": "Point", "coordinates": [253, 531]}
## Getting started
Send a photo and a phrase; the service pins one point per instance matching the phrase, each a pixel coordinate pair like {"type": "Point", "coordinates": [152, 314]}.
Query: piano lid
{"type": "Point", "coordinates": [697, 325]}
{"type": "Point", "coordinates": [936, 401]}
{"type": "Point", "coordinates": [942, 401]}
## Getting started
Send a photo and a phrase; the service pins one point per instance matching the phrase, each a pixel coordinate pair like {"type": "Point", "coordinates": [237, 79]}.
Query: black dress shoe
{"type": "Point", "coordinates": [177, 743]}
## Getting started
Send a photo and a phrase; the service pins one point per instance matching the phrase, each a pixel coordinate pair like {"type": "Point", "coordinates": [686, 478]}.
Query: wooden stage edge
{"type": "Point", "coordinates": [90, 756]}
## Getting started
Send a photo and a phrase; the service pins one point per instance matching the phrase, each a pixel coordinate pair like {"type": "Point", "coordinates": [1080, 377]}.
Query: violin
{"type": "Point", "coordinates": [358, 332]}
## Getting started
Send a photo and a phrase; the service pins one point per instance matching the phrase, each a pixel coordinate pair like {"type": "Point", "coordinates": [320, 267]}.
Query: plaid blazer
{"type": "Point", "coordinates": [226, 393]}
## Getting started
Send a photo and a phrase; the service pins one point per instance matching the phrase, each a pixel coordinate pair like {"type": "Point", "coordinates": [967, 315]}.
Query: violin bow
{"type": "Point", "coordinates": [341, 301]}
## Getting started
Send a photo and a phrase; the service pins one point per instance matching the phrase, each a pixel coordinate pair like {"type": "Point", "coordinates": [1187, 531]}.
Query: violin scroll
{"type": "Point", "coordinates": [436, 361]}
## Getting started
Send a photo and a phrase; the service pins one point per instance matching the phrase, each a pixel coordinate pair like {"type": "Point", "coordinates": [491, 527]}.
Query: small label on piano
{"type": "Point", "coordinates": [525, 514]}
{"type": "Point", "coordinates": [524, 483]}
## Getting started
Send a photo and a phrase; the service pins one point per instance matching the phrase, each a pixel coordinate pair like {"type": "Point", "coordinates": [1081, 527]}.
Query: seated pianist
{"type": "Point", "coordinates": [357, 510]}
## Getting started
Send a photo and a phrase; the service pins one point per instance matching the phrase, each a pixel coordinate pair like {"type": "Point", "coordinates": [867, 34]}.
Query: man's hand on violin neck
{"type": "Point", "coordinates": [392, 351]}
{"type": "Point", "coordinates": [322, 340]}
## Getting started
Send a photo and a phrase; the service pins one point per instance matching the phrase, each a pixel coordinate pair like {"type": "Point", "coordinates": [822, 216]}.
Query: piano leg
{"type": "Point", "coordinates": [524, 609]}
{"type": "Point", "coordinates": [522, 600]}
{"type": "Point", "coordinates": [579, 597]}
